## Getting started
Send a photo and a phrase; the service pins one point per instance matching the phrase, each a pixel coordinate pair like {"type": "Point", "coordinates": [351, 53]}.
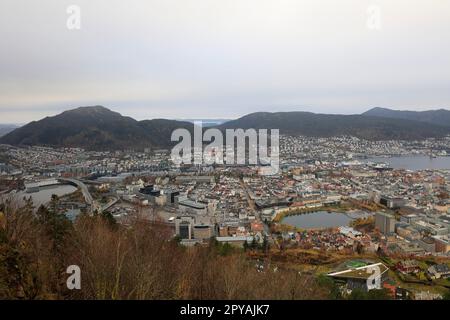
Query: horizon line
{"type": "Point", "coordinates": [218, 118]}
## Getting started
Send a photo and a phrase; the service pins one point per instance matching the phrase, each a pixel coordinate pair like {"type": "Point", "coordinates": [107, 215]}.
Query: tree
{"type": "Point", "coordinates": [265, 244]}
{"type": "Point", "coordinates": [56, 226]}
{"type": "Point", "coordinates": [245, 246]}
{"type": "Point", "coordinates": [177, 239]}
{"type": "Point", "coordinates": [138, 260]}
{"type": "Point", "coordinates": [379, 294]}
{"type": "Point", "coordinates": [225, 249]}
{"type": "Point", "coordinates": [109, 218]}
{"type": "Point", "coordinates": [375, 294]}
{"type": "Point", "coordinates": [25, 255]}
{"type": "Point", "coordinates": [357, 294]}
{"type": "Point", "coordinates": [330, 285]}
{"type": "Point", "coordinates": [254, 244]}
{"type": "Point", "coordinates": [359, 248]}
{"type": "Point", "coordinates": [54, 201]}
{"type": "Point", "coordinates": [446, 295]}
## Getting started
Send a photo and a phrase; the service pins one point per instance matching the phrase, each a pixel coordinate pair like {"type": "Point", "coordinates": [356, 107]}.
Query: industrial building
{"type": "Point", "coordinates": [187, 206]}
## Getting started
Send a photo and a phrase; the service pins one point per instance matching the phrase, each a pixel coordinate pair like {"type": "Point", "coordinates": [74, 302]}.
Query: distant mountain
{"type": "Point", "coordinates": [95, 128]}
{"type": "Point", "coordinates": [327, 125]}
{"type": "Point", "coordinates": [98, 128]}
{"type": "Point", "coordinates": [438, 117]}
{"type": "Point", "coordinates": [7, 128]}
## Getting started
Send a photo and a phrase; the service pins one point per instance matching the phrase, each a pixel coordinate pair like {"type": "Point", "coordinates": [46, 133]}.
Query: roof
{"type": "Point", "coordinates": [441, 268]}
{"type": "Point", "coordinates": [231, 239]}
{"type": "Point", "coordinates": [385, 214]}
{"type": "Point", "coordinates": [428, 240]}
{"type": "Point", "coordinates": [192, 204]}
{"type": "Point", "coordinates": [409, 263]}
{"type": "Point", "coordinates": [202, 226]}
{"type": "Point", "coordinates": [444, 239]}
{"type": "Point", "coordinates": [361, 272]}
{"type": "Point", "coordinates": [355, 264]}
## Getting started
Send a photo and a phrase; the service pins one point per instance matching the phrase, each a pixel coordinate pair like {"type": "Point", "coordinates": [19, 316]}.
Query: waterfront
{"type": "Point", "coordinates": [318, 220]}
{"type": "Point", "coordinates": [44, 194]}
{"type": "Point", "coordinates": [414, 162]}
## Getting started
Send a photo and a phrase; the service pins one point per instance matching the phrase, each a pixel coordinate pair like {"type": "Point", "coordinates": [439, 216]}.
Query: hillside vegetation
{"type": "Point", "coordinates": [139, 261]}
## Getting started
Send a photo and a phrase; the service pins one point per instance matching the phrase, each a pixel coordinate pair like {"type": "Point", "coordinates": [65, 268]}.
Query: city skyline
{"type": "Point", "coordinates": [211, 59]}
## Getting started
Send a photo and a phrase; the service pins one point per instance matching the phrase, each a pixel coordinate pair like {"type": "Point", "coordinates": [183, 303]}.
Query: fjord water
{"type": "Point", "coordinates": [44, 195]}
{"type": "Point", "coordinates": [414, 162]}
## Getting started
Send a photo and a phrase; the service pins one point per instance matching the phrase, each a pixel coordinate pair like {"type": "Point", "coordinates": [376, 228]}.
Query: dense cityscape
{"type": "Point", "coordinates": [336, 207]}
{"type": "Point", "coordinates": [220, 159]}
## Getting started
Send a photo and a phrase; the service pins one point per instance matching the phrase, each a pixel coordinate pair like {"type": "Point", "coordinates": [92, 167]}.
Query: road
{"type": "Point", "coordinates": [87, 196]}
{"type": "Point", "coordinates": [110, 204]}
{"type": "Point", "coordinates": [251, 204]}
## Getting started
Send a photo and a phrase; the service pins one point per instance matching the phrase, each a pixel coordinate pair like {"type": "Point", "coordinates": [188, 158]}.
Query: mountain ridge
{"type": "Point", "coordinates": [98, 128]}
{"type": "Point", "coordinates": [437, 117]}
{"type": "Point", "coordinates": [327, 125]}
{"type": "Point", "coordinates": [94, 128]}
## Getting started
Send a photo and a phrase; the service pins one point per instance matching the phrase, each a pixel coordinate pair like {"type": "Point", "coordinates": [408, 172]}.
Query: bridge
{"type": "Point", "coordinates": [88, 197]}
{"type": "Point", "coordinates": [86, 181]}
{"type": "Point", "coordinates": [34, 186]}
{"type": "Point", "coordinates": [77, 183]}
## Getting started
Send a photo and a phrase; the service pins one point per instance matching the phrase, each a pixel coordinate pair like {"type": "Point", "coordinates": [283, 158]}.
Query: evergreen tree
{"type": "Point", "coordinates": [245, 246]}
{"type": "Point", "coordinates": [56, 225]}
{"type": "Point", "coordinates": [265, 244]}
{"type": "Point", "coordinates": [108, 217]}
{"type": "Point", "coordinates": [254, 244]}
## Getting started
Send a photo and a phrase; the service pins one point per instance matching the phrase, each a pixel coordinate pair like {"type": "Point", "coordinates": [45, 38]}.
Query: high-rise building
{"type": "Point", "coordinates": [385, 222]}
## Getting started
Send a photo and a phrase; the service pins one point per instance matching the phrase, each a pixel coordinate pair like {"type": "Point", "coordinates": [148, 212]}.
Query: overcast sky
{"type": "Point", "coordinates": [222, 58]}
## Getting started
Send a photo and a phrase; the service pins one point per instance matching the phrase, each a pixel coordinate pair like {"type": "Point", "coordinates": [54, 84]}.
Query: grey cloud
{"type": "Point", "coordinates": [213, 58]}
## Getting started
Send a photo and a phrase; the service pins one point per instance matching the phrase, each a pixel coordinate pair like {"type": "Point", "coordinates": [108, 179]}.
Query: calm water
{"type": "Point", "coordinates": [44, 195]}
{"type": "Point", "coordinates": [316, 220]}
{"type": "Point", "coordinates": [414, 162]}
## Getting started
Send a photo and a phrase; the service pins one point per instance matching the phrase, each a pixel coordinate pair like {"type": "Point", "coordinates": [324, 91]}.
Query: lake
{"type": "Point", "coordinates": [317, 220]}
{"type": "Point", "coordinates": [44, 194]}
{"type": "Point", "coordinates": [414, 162]}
